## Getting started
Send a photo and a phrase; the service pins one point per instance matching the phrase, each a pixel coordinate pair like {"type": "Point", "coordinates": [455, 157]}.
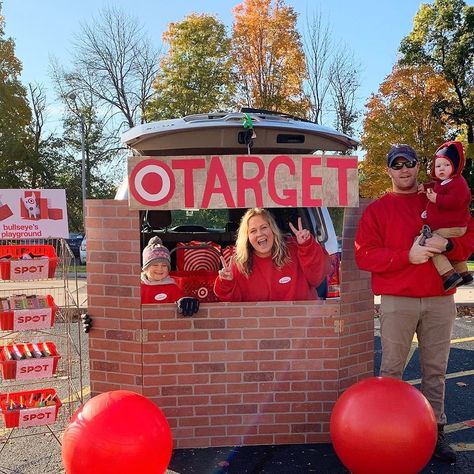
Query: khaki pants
{"type": "Point", "coordinates": [432, 320]}
{"type": "Point", "coordinates": [441, 262]}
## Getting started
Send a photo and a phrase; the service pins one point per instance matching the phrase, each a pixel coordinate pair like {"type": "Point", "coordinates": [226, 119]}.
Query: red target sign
{"type": "Point", "coordinates": [230, 181]}
{"type": "Point", "coordinates": [152, 182]}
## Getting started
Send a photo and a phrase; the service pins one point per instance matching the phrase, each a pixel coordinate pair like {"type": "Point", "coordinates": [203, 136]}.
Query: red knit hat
{"type": "Point", "coordinates": [454, 153]}
{"type": "Point", "coordinates": [155, 252]}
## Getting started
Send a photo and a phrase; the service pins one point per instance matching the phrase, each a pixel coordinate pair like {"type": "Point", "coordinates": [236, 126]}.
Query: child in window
{"type": "Point", "coordinates": [157, 286]}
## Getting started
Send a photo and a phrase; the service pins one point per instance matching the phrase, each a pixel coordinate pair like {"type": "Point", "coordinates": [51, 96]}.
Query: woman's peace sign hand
{"type": "Point", "coordinates": [302, 235]}
{"type": "Point", "coordinates": [226, 272]}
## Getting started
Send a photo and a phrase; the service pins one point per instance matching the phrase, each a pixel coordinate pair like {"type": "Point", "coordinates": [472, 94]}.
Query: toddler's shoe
{"type": "Point", "coordinates": [466, 278]}
{"type": "Point", "coordinates": [451, 279]}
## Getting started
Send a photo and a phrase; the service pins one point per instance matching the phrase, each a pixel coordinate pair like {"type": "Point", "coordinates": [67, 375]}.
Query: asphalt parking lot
{"type": "Point", "coordinates": [28, 452]}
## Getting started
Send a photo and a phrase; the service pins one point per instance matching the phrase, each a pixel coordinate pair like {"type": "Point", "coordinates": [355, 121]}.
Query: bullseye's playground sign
{"type": "Point", "coordinates": [230, 181]}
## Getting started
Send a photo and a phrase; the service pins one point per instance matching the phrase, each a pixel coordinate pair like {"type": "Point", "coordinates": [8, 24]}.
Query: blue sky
{"type": "Point", "coordinates": [372, 29]}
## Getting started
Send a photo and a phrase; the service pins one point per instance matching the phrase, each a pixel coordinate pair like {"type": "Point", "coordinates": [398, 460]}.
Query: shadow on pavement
{"type": "Point", "coordinates": [284, 459]}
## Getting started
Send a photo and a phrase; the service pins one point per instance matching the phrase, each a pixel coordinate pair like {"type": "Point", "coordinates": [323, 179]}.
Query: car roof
{"type": "Point", "coordinates": [221, 132]}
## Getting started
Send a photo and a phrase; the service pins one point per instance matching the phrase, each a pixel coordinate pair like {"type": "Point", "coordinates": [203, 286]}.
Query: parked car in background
{"type": "Point", "coordinates": [74, 242]}
{"type": "Point", "coordinates": [82, 251]}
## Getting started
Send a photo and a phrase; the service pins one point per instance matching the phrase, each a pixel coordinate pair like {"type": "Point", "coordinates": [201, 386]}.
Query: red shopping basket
{"type": "Point", "coordinates": [39, 360]}
{"type": "Point", "coordinates": [31, 408]}
{"type": "Point", "coordinates": [22, 312]}
{"type": "Point", "coordinates": [198, 284]}
{"type": "Point", "coordinates": [27, 262]}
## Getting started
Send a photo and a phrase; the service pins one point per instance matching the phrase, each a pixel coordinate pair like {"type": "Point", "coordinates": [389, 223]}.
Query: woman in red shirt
{"type": "Point", "coordinates": [266, 268]}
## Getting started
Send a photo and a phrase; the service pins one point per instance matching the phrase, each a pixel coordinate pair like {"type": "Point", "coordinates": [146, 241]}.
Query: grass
{"type": "Point", "coordinates": [470, 266]}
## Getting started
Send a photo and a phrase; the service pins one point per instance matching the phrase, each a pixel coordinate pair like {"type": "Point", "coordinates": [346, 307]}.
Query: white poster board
{"type": "Point", "coordinates": [33, 214]}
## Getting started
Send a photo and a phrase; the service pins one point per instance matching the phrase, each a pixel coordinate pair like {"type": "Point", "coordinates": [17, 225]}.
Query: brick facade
{"type": "Point", "coordinates": [234, 374]}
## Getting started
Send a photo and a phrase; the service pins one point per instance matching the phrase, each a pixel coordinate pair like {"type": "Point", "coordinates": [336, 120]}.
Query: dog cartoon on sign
{"type": "Point", "coordinates": [31, 206]}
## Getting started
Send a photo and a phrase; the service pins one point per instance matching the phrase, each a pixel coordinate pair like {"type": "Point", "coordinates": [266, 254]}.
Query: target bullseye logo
{"type": "Point", "coordinates": [152, 182]}
{"type": "Point", "coordinates": [202, 292]}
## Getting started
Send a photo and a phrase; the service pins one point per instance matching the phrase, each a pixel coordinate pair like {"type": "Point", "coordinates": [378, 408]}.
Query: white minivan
{"type": "Point", "coordinates": [223, 133]}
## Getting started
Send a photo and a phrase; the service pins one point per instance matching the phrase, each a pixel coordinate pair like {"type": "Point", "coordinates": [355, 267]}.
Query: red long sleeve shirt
{"type": "Point", "coordinates": [296, 281]}
{"type": "Point", "coordinates": [158, 292]}
{"type": "Point", "coordinates": [452, 204]}
{"type": "Point", "coordinates": [383, 241]}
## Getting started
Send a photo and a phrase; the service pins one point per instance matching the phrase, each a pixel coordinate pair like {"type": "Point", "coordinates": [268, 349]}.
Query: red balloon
{"type": "Point", "coordinates": [117, 432]}
{"type": "Point", "coordinates": [383, 425]}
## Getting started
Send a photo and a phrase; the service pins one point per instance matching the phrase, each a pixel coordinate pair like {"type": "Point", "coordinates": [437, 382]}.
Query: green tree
{"type": "Point", "coordinates": [195, 75]}
{"type": "Point", "coordinates": [402, 112]}
{"type": "Point", "coordinates": [443, 37]}
{"type": "Point", "coordinates": [268, 56]}
{"type": "Point", "coordinates": [15, 116]}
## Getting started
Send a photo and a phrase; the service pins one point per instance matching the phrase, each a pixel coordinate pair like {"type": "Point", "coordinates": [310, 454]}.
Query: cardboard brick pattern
{"type": "Point", "coordinates": [234, 374]}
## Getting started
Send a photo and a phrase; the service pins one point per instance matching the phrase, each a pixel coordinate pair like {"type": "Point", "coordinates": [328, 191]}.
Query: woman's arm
{"type": "Point", "coordinates": [225, 288]}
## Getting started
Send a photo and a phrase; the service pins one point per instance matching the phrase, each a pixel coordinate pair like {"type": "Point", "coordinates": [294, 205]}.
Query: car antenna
{"type": "Point", "coordinates": [249, 133]}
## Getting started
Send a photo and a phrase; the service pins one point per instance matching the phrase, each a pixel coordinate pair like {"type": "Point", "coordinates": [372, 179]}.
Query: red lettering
{"type": "Point", "coordinates": [290, 199]}
{"type": "Point", "coordinates": [39, 416]}
{"type": "Point", "coordinates": [308, 180]}
{"type": "Point", "coordinates": [34, 319]}
{"type": "Point", "coordinates": [30, 269]}
{"type": "Point", "coordinates": [35, 368]}
{"type": "Point", "coordinates": [238, 181]}
{"type": "Point", "coordinates": [188, 166]}
{"type": "Point", "coordinates": [216, 171]}
{"type": "Point", "coordinates": [342, 165]}
{"type": "Point", "coordinates": [246, 182]}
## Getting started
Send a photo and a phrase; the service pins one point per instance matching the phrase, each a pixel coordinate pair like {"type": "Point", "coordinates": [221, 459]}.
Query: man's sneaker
{"type": "Point", "coordinates": [443, 451]}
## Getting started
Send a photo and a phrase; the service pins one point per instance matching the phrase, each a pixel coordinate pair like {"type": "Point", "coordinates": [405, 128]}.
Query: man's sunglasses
{"type": "Point", "coordinates": [401, 164]}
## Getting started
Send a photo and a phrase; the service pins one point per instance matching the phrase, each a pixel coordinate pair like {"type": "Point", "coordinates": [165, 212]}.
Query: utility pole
{"type": "Point", "coordinates": [76, 110]}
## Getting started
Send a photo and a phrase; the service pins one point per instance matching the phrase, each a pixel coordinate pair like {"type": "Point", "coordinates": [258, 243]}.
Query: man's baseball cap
{"type": "Point", "coordinates": [401, 151]}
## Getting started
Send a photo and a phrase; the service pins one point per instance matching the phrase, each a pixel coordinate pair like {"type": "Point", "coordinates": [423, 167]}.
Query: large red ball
{"type": "Point", "coordinates": [117, 432]}
{"type": "Point", "coordinates": [383, 425]}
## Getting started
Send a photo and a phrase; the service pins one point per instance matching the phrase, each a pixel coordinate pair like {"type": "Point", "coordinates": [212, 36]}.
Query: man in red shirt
{"type": "Point", "coordinates": [413, 299]}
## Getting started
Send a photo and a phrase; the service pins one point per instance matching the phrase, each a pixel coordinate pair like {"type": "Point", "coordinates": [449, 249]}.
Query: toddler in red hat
{"type": "Point", "coordinates": [448, 208]}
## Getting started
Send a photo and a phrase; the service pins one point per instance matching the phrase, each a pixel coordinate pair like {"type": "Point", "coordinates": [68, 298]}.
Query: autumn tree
{"type": "Point", "coordinates": [443, 38]}
{"type": "Point", "coordinates": [195, 74]}
{"type": "Point", "coordinates": [402, 112]}
{"type": "Point", "coordinates": [268, 56]}
{"type": "Point", "coordinates": [15, 116]}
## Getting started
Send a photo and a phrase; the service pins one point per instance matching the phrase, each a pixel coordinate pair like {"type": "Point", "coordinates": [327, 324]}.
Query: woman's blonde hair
{"type": "Point", "coordinates": [243, 249]}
